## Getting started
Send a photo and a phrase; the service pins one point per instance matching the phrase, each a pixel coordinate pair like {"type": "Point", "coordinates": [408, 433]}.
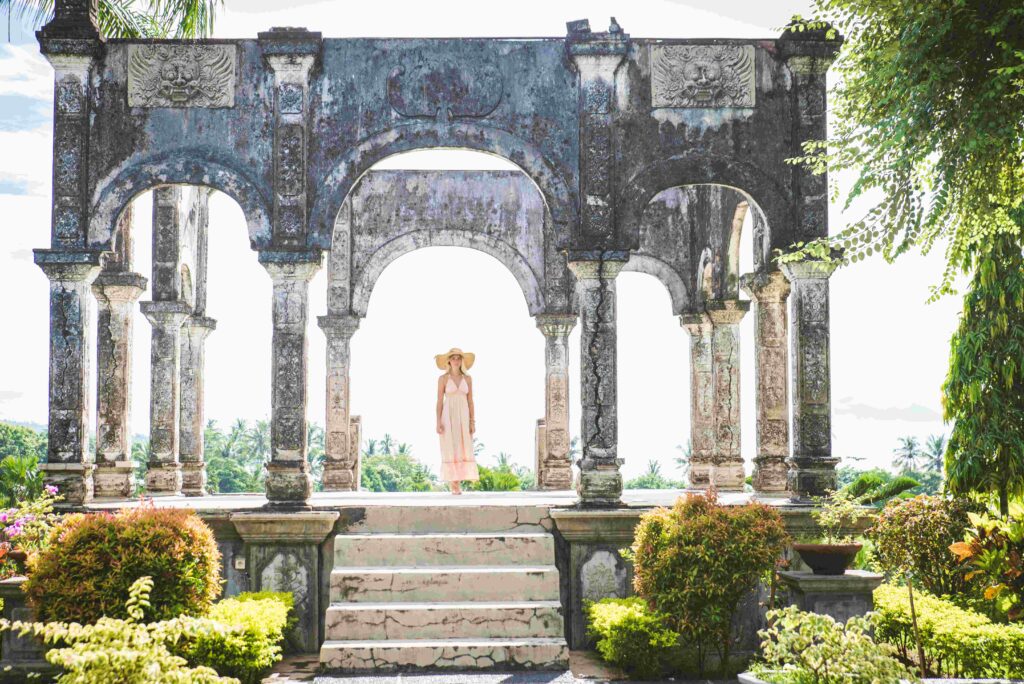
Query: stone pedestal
{"type": "Point", "coordinates": [702, 416]}
{"type": "Point", "coordinates": [69, 465]}
{"type": "Point", "coordinates": [554, 471]}
{"type": "Point", "coordinates": [19, 655]}
{"type": "Point", "coordinates": [116, 294]}
{"type": "Point", "coordinates": [840, 596]}
{"type": "Point", "coordinates": [727, 461]}
{"type": "Point", "coordinates": [812, 468]}
{"type": "Point", "coordinates": [769, 293]}
{"type": "Point", "coordinates": [288, 483]}
{"type": "Point", "coordinates": [283, 554]}
{"type": "Point", "coordinates": [163, 477]}
{"type": "Point", "coordinates": [600, 478]}
{"type": "Point", "coordinates": [191, 437]}
{"type": "Point", "coordinates": [341, 463]}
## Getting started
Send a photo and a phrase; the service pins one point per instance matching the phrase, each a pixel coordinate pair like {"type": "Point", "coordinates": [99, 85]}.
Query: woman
{"type": "Point", "coordinates": [455, 423]}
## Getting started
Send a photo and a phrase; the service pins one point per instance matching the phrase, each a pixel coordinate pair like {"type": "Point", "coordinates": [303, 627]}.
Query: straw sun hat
{"type": "Point", "coordinates": [467, 358]}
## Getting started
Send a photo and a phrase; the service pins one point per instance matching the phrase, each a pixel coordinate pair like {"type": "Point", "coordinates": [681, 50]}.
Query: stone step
{"type": "Point", "coordinates": [434, 654]}
{"type": "Point", "coordinates": [465, 518]}
{"type": "Point", "coordinates": [443, 583]}
{"type": "Point", "coordinates": [522, 548]}
{"type": "Point", "coordinates": [462, 620]}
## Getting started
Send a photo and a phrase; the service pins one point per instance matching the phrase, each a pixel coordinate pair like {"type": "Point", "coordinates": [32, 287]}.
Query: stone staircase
{"type": "Point", "coordinates": [446, 587]}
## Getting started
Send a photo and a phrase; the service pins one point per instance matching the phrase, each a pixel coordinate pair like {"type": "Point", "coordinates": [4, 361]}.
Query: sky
{"type": "Point", "coordinates": [889, 349]}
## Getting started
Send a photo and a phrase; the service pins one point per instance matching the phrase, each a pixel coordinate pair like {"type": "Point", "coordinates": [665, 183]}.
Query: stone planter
{"type": "Point", "coordinates": [827, 559]}
{"type": "Point", "coordinates": [19, 655]}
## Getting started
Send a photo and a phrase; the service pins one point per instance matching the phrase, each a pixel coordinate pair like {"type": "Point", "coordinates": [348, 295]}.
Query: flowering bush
{"type": "Point", "coordinates": [92, 559]}
{"type": "Point", "coordinates": [993, 551]}
{"type": "Point", "coordinates": [26, 529]}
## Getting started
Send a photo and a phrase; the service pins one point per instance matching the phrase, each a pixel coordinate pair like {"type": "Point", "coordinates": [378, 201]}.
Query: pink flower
{"type": "Point", "coordinates": [3, 517]}
{"type": "Point", "coordinates": [50, 489]}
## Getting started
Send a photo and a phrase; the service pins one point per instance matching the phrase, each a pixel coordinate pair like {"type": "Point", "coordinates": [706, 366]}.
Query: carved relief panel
{"type": "Point", "coordinates": [702, 76]}
{"type": "Point", "coordinates": [175, 75]}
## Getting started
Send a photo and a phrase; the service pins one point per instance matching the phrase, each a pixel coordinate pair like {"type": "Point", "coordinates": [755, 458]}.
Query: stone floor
{"type": "Point", "coordinates": [637, 498]}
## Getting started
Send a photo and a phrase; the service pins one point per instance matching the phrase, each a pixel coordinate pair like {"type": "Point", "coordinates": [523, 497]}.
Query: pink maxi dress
{"type": "Point", "coordinates": [457, 462]}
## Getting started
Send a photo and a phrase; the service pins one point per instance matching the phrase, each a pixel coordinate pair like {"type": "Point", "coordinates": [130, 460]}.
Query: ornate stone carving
{"type": "Point", "coordinates": [165, 75]}
{"type": "Point", "coordinates": [602, 577]}
{"type": "Point", "coordinates": [445, 90]}
{"type": "Point", "coordinates": [702, 76]}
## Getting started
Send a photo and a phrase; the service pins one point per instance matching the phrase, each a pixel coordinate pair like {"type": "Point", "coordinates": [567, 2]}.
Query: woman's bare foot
{"type": "Point", "coordinates": [456, 488]}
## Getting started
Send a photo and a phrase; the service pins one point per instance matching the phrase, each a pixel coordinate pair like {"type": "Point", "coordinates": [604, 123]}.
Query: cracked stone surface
{"type": "Point", "coordinates": [444, 549]}
{"type": "Point", "coordinates": [472, 517]}
{"type": "Point", "coordinates": [477, 618]}
{"type": "Point", "coordinates": [540, 654]}
{"type": "Point", "coordinates": [486, 583]}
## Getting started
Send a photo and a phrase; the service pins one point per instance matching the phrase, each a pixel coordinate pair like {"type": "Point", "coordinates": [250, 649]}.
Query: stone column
{"type": "Point", "coordinates": [812, 468]}
{"type": "Point", "coordinates": [288, 481]}
{"type": "Point", "coordinates": [600, 479]}
{"type": "Point", "coordinates": [554, 469]}
{"type": "Point", "coordinates": [341, 464]}
{"type": "Point", "coordinates": [702, 416]}
{"type": "Point", "coordinates": [727, 460]}
{"type": "Point", "coordinates": [116, 293]}
{"type": "Point", "coordinates": [192, 417]}
{"type": "Point", "coordinates": [69, 465]}
{"type": "Point", "coordinates": [769, 293]}
{"type": "Point", "coordinates": [164, 475]}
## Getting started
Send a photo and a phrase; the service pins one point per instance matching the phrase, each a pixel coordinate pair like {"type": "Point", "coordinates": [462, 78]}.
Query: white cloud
{"type": "Point", "coordinates": [23, 71]}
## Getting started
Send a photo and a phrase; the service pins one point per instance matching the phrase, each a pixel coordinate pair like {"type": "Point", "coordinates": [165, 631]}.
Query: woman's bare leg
{"type": "Point", "coordinates": [456, 487]}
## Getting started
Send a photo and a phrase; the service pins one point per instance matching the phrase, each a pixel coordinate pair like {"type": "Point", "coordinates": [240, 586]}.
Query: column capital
{"type": "Point", "coordinates": [284, 266]}
{"type": "Point", "coordinates": [726, 311]}
{"type": "Point", "coordinates": [556, 324]}
{"type": "Point", "coordinates": [811, 268]}
{"type": "Point", "coordinates": [584, 44]}
{"type": "Point", "coordinates": [765, 287]}
{"type": "Point", "coordinates": [74, 29]}
{"type": "Point", "coordinates": [291, 52]}
{"type": "Point", "coordinates": [166, 313]}
{"type": "Point", "coordinates": [118, 287]}
{"type": "Point", "coordinates": [200, 325]}
{"type": "Point", "coordinates": [595, 269]}
{"type": "Point", "coordinates": [339, 324]}
{"type": "Point", "coordinates": [61, 266]}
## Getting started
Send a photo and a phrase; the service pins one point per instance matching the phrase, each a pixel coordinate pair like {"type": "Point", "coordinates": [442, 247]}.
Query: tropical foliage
{"type": "Point", "coordinates": [26, 528]}
{"type": "Point", "coordinates": [633, 636]}
{"type": "Point", "coordinates": [21, 451]}
{"type": "Point", "coordinates": [993, 550]}
{"type": "Point", "coordinates": [131, 19]}
{"type": "Point", "coordinates": [653, 479]}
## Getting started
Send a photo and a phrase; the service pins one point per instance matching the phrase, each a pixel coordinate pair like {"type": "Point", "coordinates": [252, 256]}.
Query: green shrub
{"type": "Point", "coordinates": [632, 636]}
{"type": "Point", "coordinates": [956, 642]}
{"type": "Point", "coordinates": [496, 480]}
{"type": "Point", "coordinates": [124, 651]}
{"type": "Point", "coordinates": [251, 643]}
{"type": "Point", "coordinates": [993, 552]}
{"type": "Point", "coordinates": [94, 558]}
{"type": "Point", "coordinates": [807, 648]}
{"type": "Point", "coordinates": [915, 534]}
{"type": "Point", "coordinates": [696, 561]}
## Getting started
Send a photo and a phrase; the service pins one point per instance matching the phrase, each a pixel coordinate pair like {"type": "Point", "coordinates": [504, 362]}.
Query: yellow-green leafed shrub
{"type": "Point", "coordinates": [957, 642]}
{"type": "Point", "coordinates": [632, 636]}
{"type": "Point", "coordinates": [250, 644]}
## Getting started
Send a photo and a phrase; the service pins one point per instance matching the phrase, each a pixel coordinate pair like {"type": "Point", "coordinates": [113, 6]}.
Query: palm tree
{"type": "Point", "coordinates": [122, 19]}
{"type": "Point", "coordinates": [387, 443]}
{"type": "Point", "coordinates": [404, 449]}
{"type": "Point", "coordinates": [683, 460]}
{"type": "Point", "coordinates": [906, 454]}
{"type": "Point", "coordinates": [257, 441]}
{"type": "Point", "coordinates": [935, 452]}
{"type": "Point", "coordinates": [371, 447]}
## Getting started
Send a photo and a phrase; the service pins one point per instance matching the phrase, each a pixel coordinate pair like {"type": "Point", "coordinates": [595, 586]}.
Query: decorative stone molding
{"type": "Point", "coordinates": [189, 75]}
{"type": "Point", "coordinates": [711, 75]}
{"type": "Point", "coordinates": [341, 466]}
{"type": "Point", "coordinates": [770, 293]}
{"type": "Point", "coordinates": [812, 466]}
{"type": "Point", "coordinates": [445, 90]}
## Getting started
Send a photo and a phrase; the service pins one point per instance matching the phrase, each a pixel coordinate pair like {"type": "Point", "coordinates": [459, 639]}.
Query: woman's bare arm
{"type": "Point", "coordinates": [469, 396]}
{"type": "Point", "coordinates": [440, 400]}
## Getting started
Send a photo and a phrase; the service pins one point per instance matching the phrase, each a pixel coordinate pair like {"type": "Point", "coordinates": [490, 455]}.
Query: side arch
{"type": "Point", "coordinates": [559, 198]}
{"type": "Point", "coordinates": [771, 197]}
{"type": "Point", "coordinates": [364, 280]}
{"type": "Point", "coordinates": [184, 166]}
{"type": "Point", "coordinates": [673, 282]}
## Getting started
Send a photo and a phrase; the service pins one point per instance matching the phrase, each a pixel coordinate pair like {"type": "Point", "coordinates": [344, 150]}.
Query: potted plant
{"type": "Point", "coordinates": [835, 552]}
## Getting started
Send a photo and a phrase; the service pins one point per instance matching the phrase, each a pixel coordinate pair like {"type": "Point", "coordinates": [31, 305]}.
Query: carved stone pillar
{"type": "Point", "coordinates": [291, 53]}
{"type": "Point", "coordinates": [769, 293]}
{"type": "Point", "coordinates": [192, 417]}
{"type": "Point", "coordinates": [554, 469]}
{"type": "Point", "coordinates": [341, 464]}
{"type": "Point", "coordinates": [600, 478]}
{"type": "Point", "coordinates": [164, 475]}
{"type": "Point", "coordinates": [540, 447]}
{"type": "Point", "coordinates": [727, 459]}
{"type": "Point", "coordinates": [812, 468]}
{"type": "Point", "coordinates": [116, 294]}
{"type": "Point", "coordinates": [288, 482]}
{"type": "Point", "coordinates": [702, 415]}
{"type": "Point", "coordinates": [69, 465]}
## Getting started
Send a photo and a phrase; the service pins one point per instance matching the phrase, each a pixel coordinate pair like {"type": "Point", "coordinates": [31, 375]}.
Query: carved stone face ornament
{"type": "Point", "coordinates": [179, 80]}
{"type": "Point", "coordinates": [702, 76]}
{"type": "Point", "coordinates": [181, 75]}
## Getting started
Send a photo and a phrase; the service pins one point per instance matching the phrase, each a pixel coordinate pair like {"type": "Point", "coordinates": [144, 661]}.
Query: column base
{"type": "Point", "coordinates": [193, 478]}
{"type": "Point", "coordinates": [340, 478]}
{"type": "Point", "coordinates": [728, 476]}
{"type": "Point", "coordinates": [113, 479]}
{"type": "Point", "coordinates": [73, 480]}
{"type": "Point", "coordinates": [555, 476]}
{"type": "Point", "coordinates": [163, 479]}
{"type": "Point", "coordinates": [700, 474]}
{"type": "Point", "coordinates": [811, 476]}
{"type": "Point", "coordinates": [288, 483]}
{"type": "Point", "coordinates": [600, 484]}
{"type": "Point", "coordinates": [770, 474]}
